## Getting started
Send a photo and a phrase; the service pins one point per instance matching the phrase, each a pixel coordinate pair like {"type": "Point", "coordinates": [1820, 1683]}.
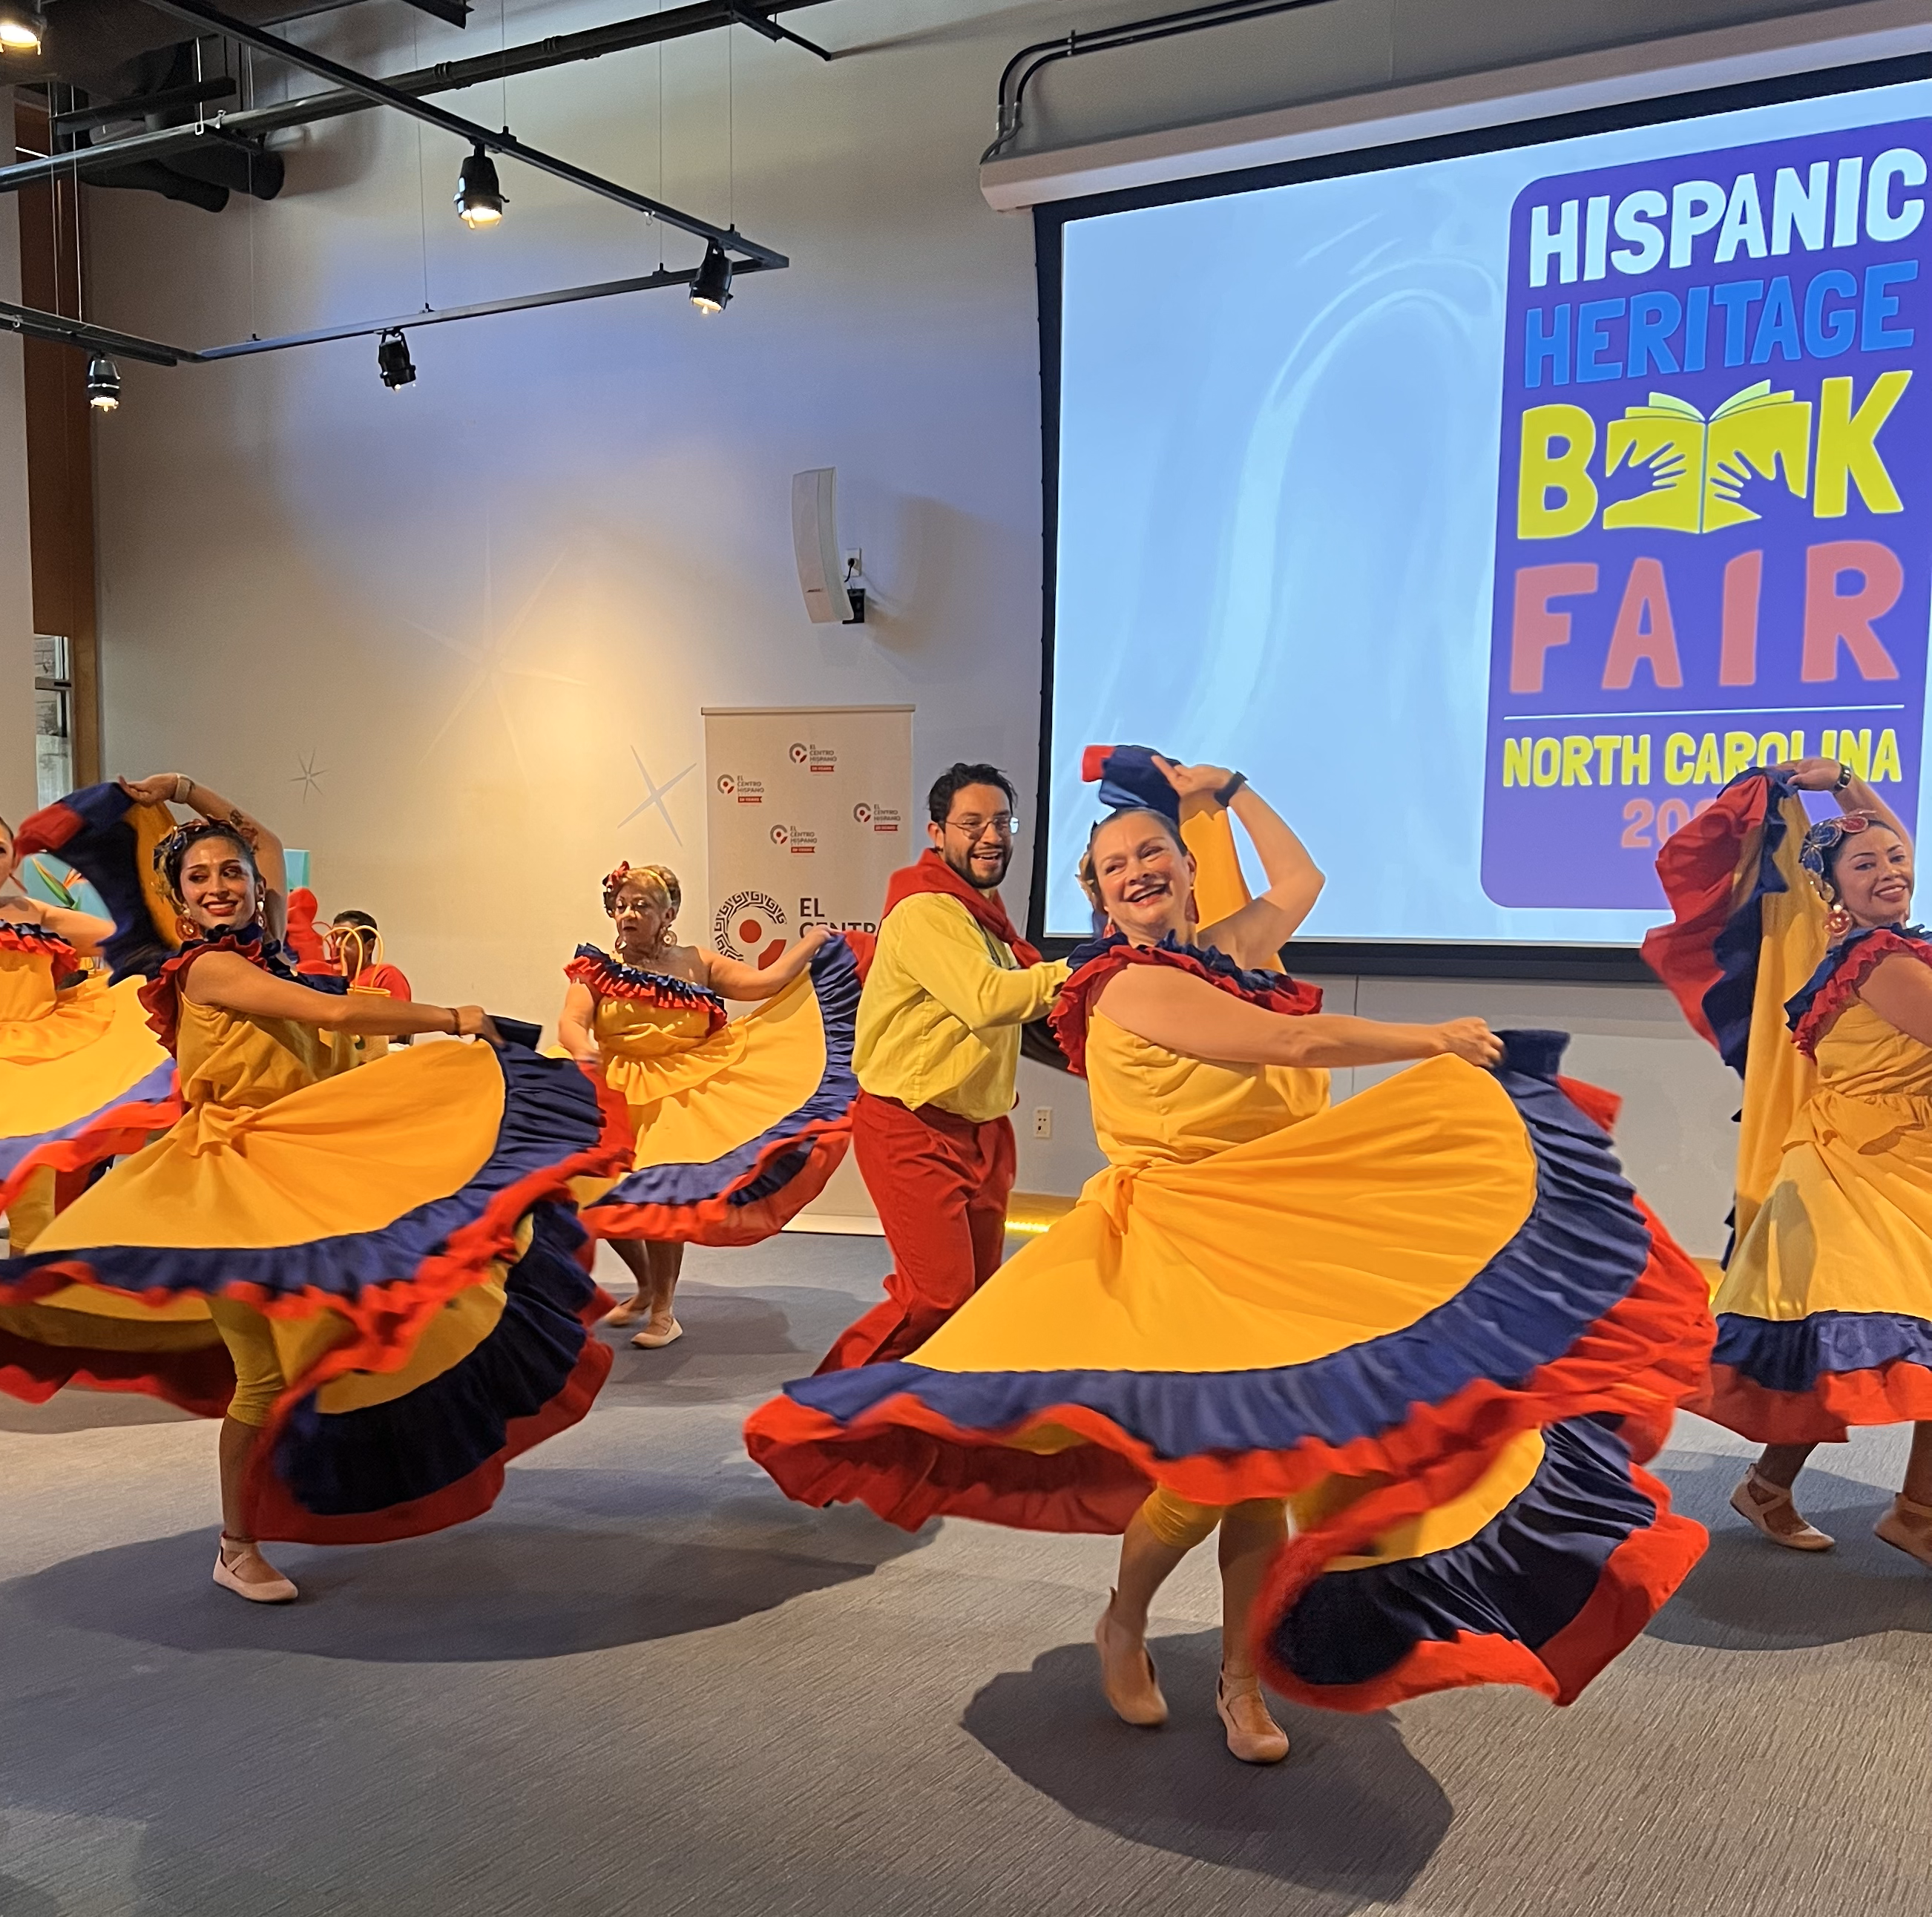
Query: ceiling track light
{"type": "Point", "coordinates": [479, 197]}
{"type": "Point", "coordinates": [711, 287]}
{"type": "Point", "coordinates": [393, 361]}
{"type": "Point", "coordinates": [22, 26]}
{"type": "Point", "coordinates": [103, 384]}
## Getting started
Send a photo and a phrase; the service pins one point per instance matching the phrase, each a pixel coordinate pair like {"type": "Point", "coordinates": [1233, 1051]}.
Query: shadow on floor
{"type": "Point", "coordinates": [86, 1411]}
{"type": "Point", "coordinates": [1350, 1815]}
{"type": "Point", "coordinates": [485, 1592]}
{"type": "Point", "coordinates": [1748, 1594]}
{"type": "Point", "coordinates": [736, 1343]}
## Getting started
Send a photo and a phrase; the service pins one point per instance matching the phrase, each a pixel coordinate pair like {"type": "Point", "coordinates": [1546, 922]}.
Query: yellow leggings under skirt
{"type": "Point", "coordinates": [1180, 1524]}
{"type": "Point", "coordinates": [258, 1381]}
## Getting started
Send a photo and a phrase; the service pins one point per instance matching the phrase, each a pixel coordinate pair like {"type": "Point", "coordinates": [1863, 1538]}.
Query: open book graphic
{"type": "Point", "coordinates": [1698, 466]}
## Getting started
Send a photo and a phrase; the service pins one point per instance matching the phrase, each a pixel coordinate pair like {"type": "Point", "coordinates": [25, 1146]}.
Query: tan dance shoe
{"type": "Point", "coordinates": [1769, 1506]}
{"type": "Point", "coordinates": [1907, 1527]}
{"type": "Point", "coordinates": [1253, 1736]}
{"type": "Point", "coordinates": [655, 1341]}
{"type": "Point", "coordinates": [1131, 1685]}
{"type": "Point", "coordinates": [274, 1589]}
{"type": "Point", "coordinates": [630, 1311]}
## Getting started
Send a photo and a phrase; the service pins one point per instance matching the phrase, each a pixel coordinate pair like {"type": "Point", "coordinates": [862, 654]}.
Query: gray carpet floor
{"type": "Point", "coordinates": [645, 1683]}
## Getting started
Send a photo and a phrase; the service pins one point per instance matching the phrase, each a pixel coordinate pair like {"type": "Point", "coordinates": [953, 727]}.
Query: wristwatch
{"type": "Point", "coordinates": [1844, 778]}
{"type": "Point", "coordinates": [1225, 796]}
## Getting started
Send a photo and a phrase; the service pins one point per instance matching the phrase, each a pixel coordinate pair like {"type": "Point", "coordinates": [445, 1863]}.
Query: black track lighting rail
{"type": "Point", "coordinates": [196, 93]}
{"type": "Point", "coordinates": [445, 77]}
{"type": "Point", "coordinates": [84, 337]}
{"type": "Point", "coordinates": [381, 91]}
{"type": "Point", "coordinates": [1028, 61]}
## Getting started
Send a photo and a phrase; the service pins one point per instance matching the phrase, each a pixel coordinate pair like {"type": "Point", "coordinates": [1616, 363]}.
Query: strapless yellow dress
{"type": "Point", "coordinates": [738, 1123]}
{"type": "Point", "coordinates": [81, 1078]}
{"type": "Point", "coordinates": [404, 1228]}
{"type": "Point", "coordinates": [1434, 1317]}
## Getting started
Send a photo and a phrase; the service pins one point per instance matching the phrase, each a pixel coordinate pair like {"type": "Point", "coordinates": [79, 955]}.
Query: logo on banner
{"type": "Point", "coordinates": [1714, 530]}
{"type": "Point", "coordinates": [747, 926]}
{"type": "Point", "coordinates": [814, 758]}
{"type": "Point", "coordinates": [795, 839]}
{"type": "Point", "coordinates": [746, 791]}
{"type": "Point", "coordinates": [880, 818]}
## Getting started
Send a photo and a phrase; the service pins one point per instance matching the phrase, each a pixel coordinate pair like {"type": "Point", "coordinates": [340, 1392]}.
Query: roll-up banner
{"type": "Point", "coordinates": [809, 812]}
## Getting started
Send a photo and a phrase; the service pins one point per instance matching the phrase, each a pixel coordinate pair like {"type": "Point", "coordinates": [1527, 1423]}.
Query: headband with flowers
{"type": "Point", "coordinates": [1824, 838]}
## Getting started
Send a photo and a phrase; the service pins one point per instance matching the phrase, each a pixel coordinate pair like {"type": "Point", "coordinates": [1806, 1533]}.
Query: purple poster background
{"type": "Point", "coordinates": [1712, 546]}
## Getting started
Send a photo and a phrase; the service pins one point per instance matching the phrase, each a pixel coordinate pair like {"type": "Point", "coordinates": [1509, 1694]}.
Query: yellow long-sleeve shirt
{"type": "Point", "coordinates": [940, 1018]}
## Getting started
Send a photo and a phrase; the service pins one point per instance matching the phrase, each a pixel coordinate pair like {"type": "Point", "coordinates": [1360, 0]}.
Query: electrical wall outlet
{"type": "Point", "coordinates": [855, 562]}
{"type": "Point", "coordinates": [1043, 1121]}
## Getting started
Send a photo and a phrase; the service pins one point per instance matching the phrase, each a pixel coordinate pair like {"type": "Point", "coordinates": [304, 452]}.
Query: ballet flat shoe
{"type": "Point", "coordinates": [1907, 1527]}
{"type": "Point", "coordinates": [279, 1590]}
{"type": "Point", "coordinates": [1757, 1500]}
{"type": "Point", "coordinates": [629, 1312]}
{"type": "Point", "coordinates": [655, 1341]}
{"type": "Point", "coordinates": [1253, 1736]}
{"type": "Point", "coordinates": [1136, 1696]}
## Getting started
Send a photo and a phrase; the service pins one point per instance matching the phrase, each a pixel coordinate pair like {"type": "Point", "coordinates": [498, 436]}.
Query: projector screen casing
{"type": "Point", "coordinates": [1405, 957]}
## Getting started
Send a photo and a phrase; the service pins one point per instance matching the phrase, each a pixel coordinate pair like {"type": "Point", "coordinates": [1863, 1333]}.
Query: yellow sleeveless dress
{"type": "Point", "coordinates": [1434, 1317]}
{"type": "Point", "coordinates": [396, 1229]}
{"type": "Point", "coordinates": [738, 1123]}
{"type": "Point", "coordinates": [1825, 1310]}
{"type": "Point", "coordinates": [82, 1077]}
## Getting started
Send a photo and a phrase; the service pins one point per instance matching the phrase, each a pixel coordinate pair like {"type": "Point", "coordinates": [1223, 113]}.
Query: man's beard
{"type": "Point", "coordinates": [964, 867]}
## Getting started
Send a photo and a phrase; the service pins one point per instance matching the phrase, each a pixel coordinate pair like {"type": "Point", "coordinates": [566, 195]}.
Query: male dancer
{"type": "Point", "coordinates": [937, 1050]}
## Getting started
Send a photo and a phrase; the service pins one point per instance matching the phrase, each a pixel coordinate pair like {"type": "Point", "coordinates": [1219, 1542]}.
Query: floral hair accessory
{"type": "Point", "coordinates": [1824, 838]}
{"type": "Point", "coordinates": [661, 876]}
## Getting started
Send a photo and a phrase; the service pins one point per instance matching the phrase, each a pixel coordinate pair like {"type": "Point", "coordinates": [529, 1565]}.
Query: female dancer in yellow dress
{"type": "Point", "coordinates": [738, 1124]}
{"type": "Point", "coordinates": [1435, 1317]}
{"type": "Point", "coordinates": [1790, 952]}
{"type": "Point", "coordinates": [82, 1077]}
{"type": "Point", "coordinates": [367, 1275]}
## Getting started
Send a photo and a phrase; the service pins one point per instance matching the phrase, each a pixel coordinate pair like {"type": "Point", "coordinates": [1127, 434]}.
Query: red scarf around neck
{"type": "Point", "coordinates": [932, 873]}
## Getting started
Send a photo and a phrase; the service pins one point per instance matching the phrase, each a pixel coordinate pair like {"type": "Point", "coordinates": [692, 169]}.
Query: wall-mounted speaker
{"type": "Point", "coordinates": [814, 539]}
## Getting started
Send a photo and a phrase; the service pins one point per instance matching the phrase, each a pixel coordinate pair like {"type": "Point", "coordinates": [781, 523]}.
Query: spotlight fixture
{"type": "Point", "coordinates": [479, 199]}
{"type": "Point", "coordinates": [22, 25]}
{"type": "Point", "coordinates": [711, 288]}
{"type": "Point", "coordinates": [103, 384]}
{"type": "Point", "coordinates": [393, 360]}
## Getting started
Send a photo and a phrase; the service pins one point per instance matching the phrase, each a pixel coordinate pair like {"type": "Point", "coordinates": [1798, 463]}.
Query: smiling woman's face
{"type": "Point", "coordinates": [1873, 876]}
{"type": "Point", "coordinates": [1144, 877]}
{"type": "Point", "coordinates": [218, 886]}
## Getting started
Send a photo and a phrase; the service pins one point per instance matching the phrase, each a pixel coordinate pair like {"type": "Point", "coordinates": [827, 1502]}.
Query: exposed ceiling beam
{"type": "Point", "coordinates": [198, 13]}
{"type": "Point", "coordinates": [456, 12]}
{"type": "Point", "coordinates": [446, 76]}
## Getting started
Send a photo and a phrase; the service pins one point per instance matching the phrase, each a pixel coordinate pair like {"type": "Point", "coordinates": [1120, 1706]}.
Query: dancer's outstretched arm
{"type": "Point", "coordinates": [82, 930]}
{"type": "Point", "coordinates": [1255, 935]}
{"type": "Point", "coordinates": [730, 978]}
{"type": "Point", "coordinates": [231, 983]}
{"type": "Point", "coordinates": [1181, 1013]}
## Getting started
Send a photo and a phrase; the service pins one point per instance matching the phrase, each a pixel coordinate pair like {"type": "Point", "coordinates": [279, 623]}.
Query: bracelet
{"type": "Point", "coordinates": [455, 1022]}
{"type": "Point", "coordinates": [1225, 796]}
{"type": "Point", "coordinates": [184, 785]}
{"type": "Point", "coordinates": [1844, 778]}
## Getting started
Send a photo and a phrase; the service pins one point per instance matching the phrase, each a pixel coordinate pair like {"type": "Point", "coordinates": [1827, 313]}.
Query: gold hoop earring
{"type": "Point", "coordinates": [1838, 921]}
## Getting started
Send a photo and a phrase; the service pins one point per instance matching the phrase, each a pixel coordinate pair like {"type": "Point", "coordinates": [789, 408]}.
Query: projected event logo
{"type": "Point", "coordinates": [1712, 546]}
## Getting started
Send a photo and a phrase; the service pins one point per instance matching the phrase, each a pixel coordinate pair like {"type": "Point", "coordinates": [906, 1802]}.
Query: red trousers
{"type": "Point", "coordinates": [940, 1185]}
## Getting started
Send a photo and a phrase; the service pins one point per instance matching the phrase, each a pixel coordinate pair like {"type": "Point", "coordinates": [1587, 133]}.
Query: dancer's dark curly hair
{"type": "Point", "coordinates": [171, 854]}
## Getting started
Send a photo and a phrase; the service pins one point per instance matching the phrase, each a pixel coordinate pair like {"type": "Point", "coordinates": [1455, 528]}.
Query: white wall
{"type": "Point", "coordinates": [467, 607]}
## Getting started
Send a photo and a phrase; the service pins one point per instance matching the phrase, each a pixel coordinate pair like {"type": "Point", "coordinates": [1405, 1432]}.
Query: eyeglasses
{"type": "Point", "coordinates": [1001, 825]}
